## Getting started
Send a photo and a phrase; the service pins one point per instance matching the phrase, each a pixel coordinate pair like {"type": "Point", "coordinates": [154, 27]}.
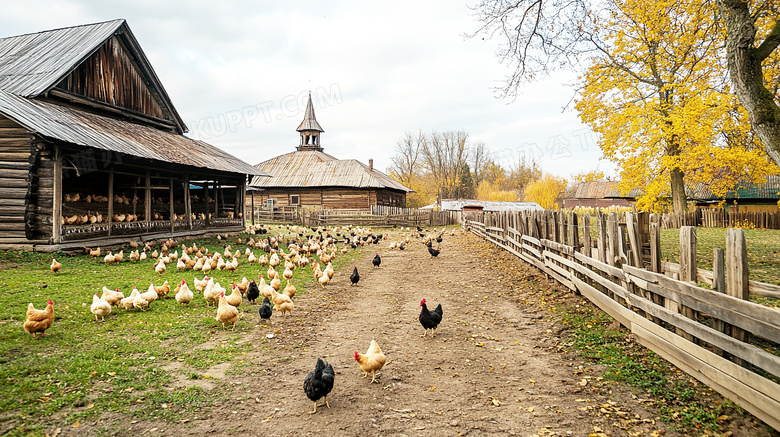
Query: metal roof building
{"type": "Point", "coordinates": [93, 150]}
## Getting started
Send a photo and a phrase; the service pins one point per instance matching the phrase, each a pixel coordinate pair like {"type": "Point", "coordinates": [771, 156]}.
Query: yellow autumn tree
{"type": "Point", "coordinates": [658, 95]}
{"type": "Point", "coordinates": [490, 191]}
{"type": "Point", "coordinates": [545, 191]}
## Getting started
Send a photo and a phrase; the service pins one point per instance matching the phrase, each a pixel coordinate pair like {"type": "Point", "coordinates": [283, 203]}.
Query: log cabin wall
{"type": "Point", "coordinates": [15, 147]}
{"type": "Point", "coordinates": [330, 198]}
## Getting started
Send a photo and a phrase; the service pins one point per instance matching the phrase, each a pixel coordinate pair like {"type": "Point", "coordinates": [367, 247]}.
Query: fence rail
{"type": "Point", "coordinates": [710, 334]}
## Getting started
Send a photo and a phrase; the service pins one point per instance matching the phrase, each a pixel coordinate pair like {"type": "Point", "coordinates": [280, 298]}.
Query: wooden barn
{"type": "Point", "coordinates": [92, 149]}
{"type": "Point", "coordinates": [308, 177]}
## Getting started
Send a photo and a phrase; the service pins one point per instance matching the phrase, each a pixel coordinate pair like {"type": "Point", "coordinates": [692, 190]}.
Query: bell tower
{"type": "Point", "coordinates": [310, 130]}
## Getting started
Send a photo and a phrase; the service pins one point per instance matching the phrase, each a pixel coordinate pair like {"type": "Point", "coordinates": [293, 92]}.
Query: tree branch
{"type": "Point", "coordinates": [770, 43]}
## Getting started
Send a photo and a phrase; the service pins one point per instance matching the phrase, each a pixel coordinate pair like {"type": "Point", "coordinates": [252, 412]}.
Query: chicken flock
{"type": "Point", "coordinates": [322, 244]}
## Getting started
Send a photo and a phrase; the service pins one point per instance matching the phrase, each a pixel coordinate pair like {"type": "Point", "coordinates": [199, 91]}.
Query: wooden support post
{"type": "Point", "coordinates": [207, 221]}
{"type": "Point", "coordinates": [148, 199]}
{"type": "Point", "coordinates": [171, 212]}
{"type": "Point", "coordinates": [737, 277]}
{"type": "Point", "coordinates": [110, 213]}
{"type": "Point", "coordinates": [655, 243]}
{"type": "Point", "coordinates": [187, 201]}
{"type": "Point", "coordinates": [56, 220]}
{"type": "Point", "coordinates": [602, 237]}
{"type": "Point", "coordinates": [687, 268]}
{"type": "Point", "coordinates": [253, 207]}
{"type": "Point", "coordinates": [586, 240]}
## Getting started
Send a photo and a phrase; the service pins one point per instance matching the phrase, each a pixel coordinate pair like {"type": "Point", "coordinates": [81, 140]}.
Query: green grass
{"type": "Point", "coordinates": [763, 250]}
{"type": "Point", "coordinates": [83, 368]}
{"type": "Point", "coordinates": [688, 406]}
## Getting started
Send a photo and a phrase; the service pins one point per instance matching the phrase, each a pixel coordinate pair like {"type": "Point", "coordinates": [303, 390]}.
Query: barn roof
{"type": "Point", "coordinates": [311, 168]}
{"type": "Point", "coordinates": [32, 64]}
{"type": "Point", "coordinates": [603, 190]}
{"type": "Point", "coordinates": [82, 128]}
{"type": "Point", "coordinates": [770, 189]}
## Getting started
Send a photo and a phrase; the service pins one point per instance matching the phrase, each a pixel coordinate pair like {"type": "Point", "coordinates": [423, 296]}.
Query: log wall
{"type": "Point", "coordinates": [15, 155]}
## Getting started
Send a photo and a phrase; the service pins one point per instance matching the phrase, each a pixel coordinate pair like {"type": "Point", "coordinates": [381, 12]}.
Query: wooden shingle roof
{"type": "Point", "coordinates": [311, 168]}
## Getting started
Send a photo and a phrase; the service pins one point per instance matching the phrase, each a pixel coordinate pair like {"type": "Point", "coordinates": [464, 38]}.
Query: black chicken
{"type": "Point", "coordinates": [252, 292]}
{"type": "Point", "coordinates": [265, 309]}
{"type": "Point", "coordinates": [355, 276]}
{"type": "Point", "coordinates": [402, 246]}
{"type": "Point", "coordinates": [430, 319]}
{"type": "Point", "coordinates": [319, 382]}
{"type": "Point", "coordinates": [439, 238]}
{"type": "Point", "coordinates": [434, 252]}
{"type": "Point", "coordinates": [377, 260]}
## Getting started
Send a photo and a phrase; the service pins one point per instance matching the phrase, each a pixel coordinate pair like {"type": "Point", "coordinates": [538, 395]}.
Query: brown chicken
{"type": "Point", "coordinates": [39, 320]}
{"type": "Point", "coordinates": [235, 298]}
{"type": "Point", "coordinates": [372, 361]}
{"type": "Point", "coordinates": [226, 313]}
{"type": "Point", "coordinates": [55, 266]}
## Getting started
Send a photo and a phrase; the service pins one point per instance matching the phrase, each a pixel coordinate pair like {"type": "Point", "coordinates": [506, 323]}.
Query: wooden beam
{"type": "Point", "coordinates": [56, 232]}
{"type": "Point", "coordinates": [110, 214]}
{"type": "Point", "coordinates": [148, 198]}
{"type": "Point", "coordinates": [737, 275]}
{"type": "Point", "coordinates": [171, 212]}
{"type": "Point", "coordinates": [187, 201]}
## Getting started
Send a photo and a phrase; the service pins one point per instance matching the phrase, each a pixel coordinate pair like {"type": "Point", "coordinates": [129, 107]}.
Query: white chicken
{"type": "Point", "coordinates": [184, 295]}
{"type": "Point", "coordinates": [160, 267]}
{"type": "Point", "coordinates": [100, 308]}
{"type": "Point", "coordinates": [127, 302]}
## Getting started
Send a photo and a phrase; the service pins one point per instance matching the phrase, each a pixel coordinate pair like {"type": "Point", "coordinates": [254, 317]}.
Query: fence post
{"type": "Point", "coordinates": [612, 240]}
{"type": "Point", "coordinates": [602, 237]}
{"type": "Point", "coordinates": [719, 285]}
{"type": "Point", "coordinates": [655, 243]}
{"type": "Point", "coordinates": [688, 267]}
{"type": "Point", "coordinates": [633, 239]}
{"type": "Point", "coordinates": [586, 245]}
{"type": "Point", "coordinates": [561, 233]}
{"type": "Point", "coordinates": [573, 238]}
{"type": "Point", "coordinates": [737, 277]}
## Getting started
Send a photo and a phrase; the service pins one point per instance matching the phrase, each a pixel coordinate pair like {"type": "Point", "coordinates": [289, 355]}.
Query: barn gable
{"type": "Point", "coordinates": [99, 66]}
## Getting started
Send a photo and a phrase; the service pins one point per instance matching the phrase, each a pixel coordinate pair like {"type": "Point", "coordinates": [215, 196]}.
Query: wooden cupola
{"type": "Point", "coordinates": [310, 130]}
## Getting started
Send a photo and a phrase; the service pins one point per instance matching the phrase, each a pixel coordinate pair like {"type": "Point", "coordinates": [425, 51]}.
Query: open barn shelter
{"type": "Point", "coordinates": [92, 150]}
{"type": "Point", "coordinates": [308, 177]}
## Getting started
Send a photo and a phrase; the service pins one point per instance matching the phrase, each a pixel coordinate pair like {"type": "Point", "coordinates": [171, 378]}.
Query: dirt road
{"type": "Point", "coordinates": [493, 367]}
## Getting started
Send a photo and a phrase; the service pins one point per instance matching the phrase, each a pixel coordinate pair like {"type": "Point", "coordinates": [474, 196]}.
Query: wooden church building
{"type": "Point", "coordinates": [92, 150]}
{"type": "Point", "coordinates": [308, 177]}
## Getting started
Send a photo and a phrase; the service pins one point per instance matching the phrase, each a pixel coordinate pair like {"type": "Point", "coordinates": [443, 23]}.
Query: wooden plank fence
{"type": "Point", "coordinates": [720, 218]}
{"type": "Point", "coordinates": [709, 333]}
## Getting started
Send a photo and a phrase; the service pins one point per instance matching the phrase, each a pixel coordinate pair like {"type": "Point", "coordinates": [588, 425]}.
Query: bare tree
{"type": "Point", "coordinates": [443, 155]}
{"type": "Point", "coordinates": [406, 161]}
{"type": "Point", "coordinates": [479, 156]}
{"type": "Point", "coordinates": [540, 36]}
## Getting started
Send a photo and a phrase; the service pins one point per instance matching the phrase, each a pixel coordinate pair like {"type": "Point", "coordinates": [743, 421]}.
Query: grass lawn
{"type": "Point", "coordinates": [763, 250]}
{"type": "Point", "coordinates": [116, 365]}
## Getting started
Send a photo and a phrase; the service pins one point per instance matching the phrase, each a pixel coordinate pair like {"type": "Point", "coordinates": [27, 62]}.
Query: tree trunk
{"type": "Point", "coordinates": [744, 63]}
{"type": "Point", "coordinates": [679, 200]}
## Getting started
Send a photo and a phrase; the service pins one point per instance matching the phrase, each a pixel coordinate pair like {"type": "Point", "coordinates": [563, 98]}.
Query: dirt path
{"type": "Point", "coordinates": [493, 367]}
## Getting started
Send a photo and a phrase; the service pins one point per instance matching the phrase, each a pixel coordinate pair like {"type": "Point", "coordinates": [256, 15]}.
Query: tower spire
{"type": "Point", "coordinates": [310, 129]}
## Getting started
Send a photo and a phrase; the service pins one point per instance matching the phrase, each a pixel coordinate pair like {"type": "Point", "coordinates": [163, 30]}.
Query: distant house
{"type": "Point", "coordinates": [600, 194]}
{"type": "Point", "coordinates": [746, 197]}
{"type": "Point", "coordinates": [92, 150]}
{"type": "Point", "coordinates": [310, 177]}
{"type": "Point", "coordinates": [467, 205]}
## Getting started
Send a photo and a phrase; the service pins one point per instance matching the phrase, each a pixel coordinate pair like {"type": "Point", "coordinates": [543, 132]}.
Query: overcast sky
{"type": "Point", "coordinates": [239, 73]}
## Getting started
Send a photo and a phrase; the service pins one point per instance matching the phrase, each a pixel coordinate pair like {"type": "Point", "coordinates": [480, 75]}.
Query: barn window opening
{"type": "Point", "coordinates": [294, 199]}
